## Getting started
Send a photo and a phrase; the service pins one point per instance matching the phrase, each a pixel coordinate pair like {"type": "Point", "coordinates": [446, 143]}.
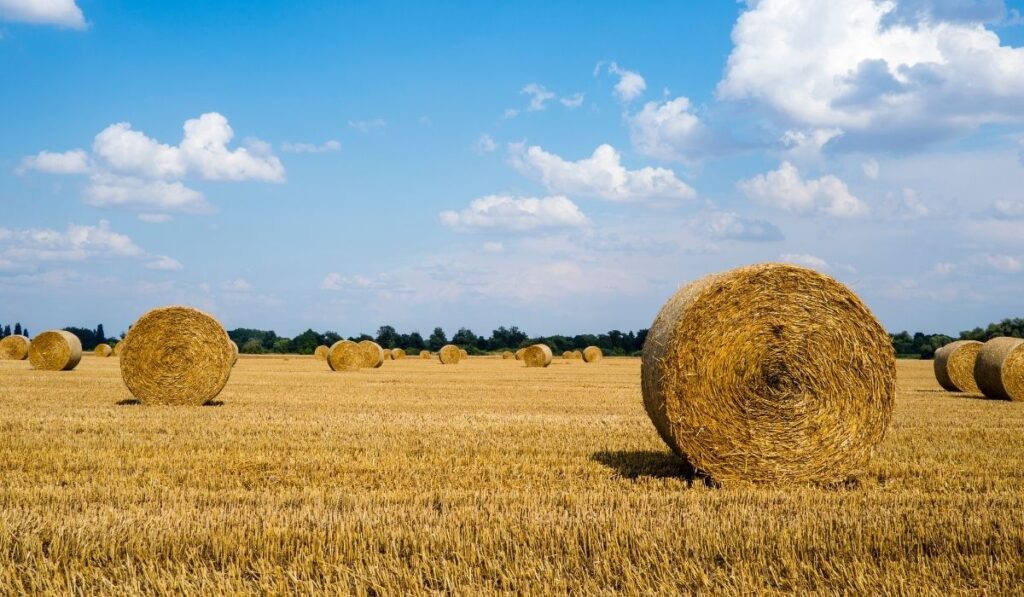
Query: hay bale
{"type": "Point", "coordinates": [769, 373]}
{"type": "Point", "coordinates": [538, 355]}
{"type": "Point", "coordinates": [14, 348]}
{"type": "Point", "coordinates": [592, 354]}
{"type": "Point", "coordinates": [954, 366]}
{"type": "Point", "coordinates": [463, 354]}
{"type": "Point", "coordinates": [449, 354]}
{"type": "Point", "coordinates": [321, 352]}
{"type": "Point", "coordinates": [373, 354]}
{"type": "Point", "coordinates": [117, 348]}
{"type": "Point", "coordinates": [999, 369]}
{"type": "Point", "coordinates": [345, 355]}
{"type": "Point", "coordinates": [567, 355]}
{"type": "Point", "coordinates": [397, 354]}
{"type": "Point", "coordinates": [519, 354]}
{"type": "Point", "coordinates": [424, 354]}
{"type": "Point", "coordinates": [55, 350]}
{"type": "Point", "coordinates": [234, 348]}
{"type": "Point", "coordinates": [576, 354]}
{"type": "Point", "coordinates": [508, 355]}
{"type": "Point", "coordinates": [176, 356]}
{"type": "Point", "coordinates": [103, 350]}
{"type": "Point", "coordinates": [387, 354]}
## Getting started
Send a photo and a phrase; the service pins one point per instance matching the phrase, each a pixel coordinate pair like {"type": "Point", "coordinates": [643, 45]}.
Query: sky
{"type": "Point", "coordinates": [560, 166]}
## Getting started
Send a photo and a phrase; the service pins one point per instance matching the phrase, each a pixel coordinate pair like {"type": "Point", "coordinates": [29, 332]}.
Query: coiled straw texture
{"type": "Point", "coordinates": [14, 348]}
{"type": "Point", "coordinates": [954, 366]}
{"type": "Point", "coordinates": [55, 350]}
{"type": "Point", "coordinates": [999, 369]}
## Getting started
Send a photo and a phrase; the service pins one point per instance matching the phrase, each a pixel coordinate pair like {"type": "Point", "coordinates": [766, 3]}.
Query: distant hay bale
{"type": "Point", "coordinates": [397, 354]}
{"type": "Point", "coordinates": [463, 354]}
{"type": "Point", "coordinates": [999, 369]}
{"type": "Point", "coordinates": [176, 356]}
{"type": "Point", "coordinates": [508, 355]}
{"type": "Point", "coordinates": [103, 350]}
{"type": "Point", "coordinates": [387, 354]}
{"type": "Point", "coordinates": [769, 373]}
{"type": "Point", "coordinates": [592, 354]}
{"type": "Point", "coordinates": [234, 348]}
{"type": "Point", "coordinates": [519, 354]}
{"type": "Point", "coordinates": [577, 354]}
{"type": "Point", "coordinates": [14, 348]}
{"type": "Point", "coordinates": [424, 354]}
{"type": "Point", "coordinates": [538, 355]}
{"type": "Point", "coordinates": [118, 347]}
{"type": "Point", "coordinates": [373, 354]}
{"type": "Point", "coordinates": [55, 350]}
{"type": "Point", "coordinates": [345, 355]}
{"type": "Point", "coordinates": [321, 352]}
{"type": "Point", "coordinates": [954, 366]}
{"type": "Point", "coordinates": [567, 355]}
{"type": "Point", "coordinates": [449, 354]}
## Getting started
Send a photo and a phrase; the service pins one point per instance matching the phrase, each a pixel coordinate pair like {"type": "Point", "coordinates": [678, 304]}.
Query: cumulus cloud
{"type": "Point", "coordinates": [365, 126]}
{"type": "Point", "coordinates": [236, 285]}
{"type": "Point", "coordinates": [63, 13]}
{"type": "Point", "coordinates": [31, 247]}
{"type": "Point", "coordinates": [75, 161]}
{"type": "Point", "coordinates": [806, 147]}
{"type": "Point", "coordinates": [1006, 264]}
{"type": "Point", "coordinates": [166, 264]}
{"type": "Point", "coordinates": [337, 282]}
{"type": "Point", "coordinates": [630, 85]}
{"type": "Point", "coordinates": [110, 190]}
{"type": "Point", "coordinates": [516, 213]}
{"type": "Point", "coordinates": [871, 168]}
{"type": "Point", "coordinates": [786, 189]}
{"type": "Point", "coordinates": [601, 175]}
{"type": "Point", "coordinates": [485, 144]}
{"type": "Point", "coordinates": [805, 260]}
{"type": "Point", "coordinates": [667, 131]}
{"type": "Point", "coordinates": [326, 146]}
{"type": "Point", "coordinates": [539, 96]}
{"type": "Point", "coordinates": [732, 226]}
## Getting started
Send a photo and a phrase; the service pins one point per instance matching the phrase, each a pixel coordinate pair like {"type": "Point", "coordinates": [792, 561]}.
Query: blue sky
{"type": "Point", "coordinates": [563, 167]}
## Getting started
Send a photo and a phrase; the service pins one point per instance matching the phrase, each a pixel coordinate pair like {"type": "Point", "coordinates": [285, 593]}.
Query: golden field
{"type": "Point", "coordinates": [483, 477]}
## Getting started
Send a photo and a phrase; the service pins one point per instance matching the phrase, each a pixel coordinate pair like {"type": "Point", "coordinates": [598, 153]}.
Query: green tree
{"type": "Point", "coordinates": [437, 340]}
{"type": "Point", "coordinates": [416, 341]}
{"type": "Point", "coordinates": [465, 339]}
{"type": "Point", "coordinates": [387, 337]}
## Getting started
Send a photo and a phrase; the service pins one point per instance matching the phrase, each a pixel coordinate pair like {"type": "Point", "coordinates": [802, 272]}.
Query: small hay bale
{"type": "Point", "coordinates": [118, 347]}
{"type": "Point", "coordinates": [463, 354]}
{"type": "Point", "coordinates": [176, 356]}
{"type": "Point", "coordinates": [954, 366]}
{"type": "Point", "coordinates": [507, 355]}
{"type": "Point", "coordinates": [424, 354]}
{"type": "Point", "coordinates": [592, 354]}
{"type": "Point", "coordinates": [14, 348]}
{"type": "Point", "coordinates": [103, 350]}
{"type": "Point", "coordinates": [387, 354]}
{"type": "Point", "coordinates": [397, 354]}
{"type": "Point", "coordinates": [55, 350]}
{"type": "Point", "coordinates": [449, 354]}
{"type": "Point", "coordinates": [576, 354]}
{"type": "Point", "coordinates": [519, 354]}
{"type": "Point", "coordinates": [538, 355]}
{"type": "Point", "coordinates": [345, 355]}
{"type": "Point", "coordinates": [373, 354]}
{"type": "Point", "coordinates": [321, 352]}
{"type": "Point", "coordinates": [769, 373]}
{"type": "Point", "coordinates": [999, 369]}
{"type": "Point", "coordinates": [234, 348]}
{"type": "Point", "coordinates": [567, 355]}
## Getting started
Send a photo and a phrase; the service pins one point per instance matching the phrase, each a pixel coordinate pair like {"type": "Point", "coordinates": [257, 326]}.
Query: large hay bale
{"type": "Point", "coordinates": [463, 354]}
{"type": "Point", "coordinates": [345, 355]}
{"type": "Point", "coordinates": [55, 350]}
{"type": "Point", "coordinates": [103, 350]}
{"type": "Point", "coordinates": [449, 354]}
{"type": "Point", "coordinates": [397, 354]}
{"type": "Point", "coordinates": [176, 356]}
{"type": "Point", "coordinates": [424, 354]}
{"type": "Point", "coordinates": [954, 366]}
{"type": "Point", "coordinates": [234, 349]}
{"type": "Point", "coordinates": [14, 348]}
{"type": "Point", "coordinates": [592, 354]}
{"type": "Point", "coordinates": [373, 354]}
{"type": "Point", "coordinates": [538, 355]}
{"type": "Point", "coordinates": [769, 373]}
{"type": "Point", "coordinates": [999, 369]}
{"type": "Point", "coordinates": [508, 355]}
{"type": "Point", "coordinates": [321, 352]}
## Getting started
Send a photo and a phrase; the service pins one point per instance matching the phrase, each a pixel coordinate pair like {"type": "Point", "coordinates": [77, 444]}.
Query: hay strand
{"type": "Point", "coordinates": [999, 369]}
{"type": "Point", "coordinates": [55, 350]}
{"type": "Point", "coordinates": [345, 355]}
{"type": "Point", "coordinates": [14, 348]}
{"type": "Point", "coordinates": [954, 366]}
{"type": "Point", "coordinates": [373, 354]}
{"type": "Point", "coordinates": [449, 354]}
{"type": "Point", "coordinates": [538, 355]}
{"type": "Point", "coordinates": [592, 354]}
{"type": "Point", "coordinates": [320, 353]}
{"type": "Point", "coordinates": [103, 350]}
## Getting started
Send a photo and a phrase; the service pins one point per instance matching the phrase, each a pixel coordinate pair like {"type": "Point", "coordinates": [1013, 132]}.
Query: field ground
{"type": "Point", "coordinates": [482, 477]}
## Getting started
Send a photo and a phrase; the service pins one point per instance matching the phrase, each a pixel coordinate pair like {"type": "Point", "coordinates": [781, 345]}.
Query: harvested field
{"type": "Point", "coordinates": [486, 477]}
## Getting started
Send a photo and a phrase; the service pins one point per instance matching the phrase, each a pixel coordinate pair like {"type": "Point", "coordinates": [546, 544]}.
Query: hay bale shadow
{"type": "Point", "coordinates": [637, 464]}
{"type": "Point", "coordinates": [214, 403]}
{"type": "Point", "coordinates": [129, 402]}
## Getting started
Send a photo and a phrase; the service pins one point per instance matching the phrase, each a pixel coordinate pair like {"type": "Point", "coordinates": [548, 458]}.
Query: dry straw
{"type": "Point", "coordinates": [373, 354]}
{"type": "Point", "coordinates": [14, 348]}
{"type": "Point", "coordinates": [463, 354]}
{"type": "Point", "coordinates": [954, 366]}
{"type": "Point", "coordinates": [55, 350]}
{"type": "Point", "coordinates": [592, 354]}
{"type": "Point", "coordinates": [345, 355]}
{"type": "Point", "coordinates": [519, 354]}
{"type": "Point", "coordinates": [538, 355]}
{"type": "Point", "coordinates": [769, 373]}
{"type": "Point", "coordinates": [177, 356]}
{"type": "Point", "coordinates": [103, 350]}
{"type": "Point", "coordinates": [449, 354]}
{"type": "Point", "coordinates": [424, 354]}
{"type": "Point", "coordinates": [999, 370]}
{"type": "Point", "coordinates": [397, 354]}
{"type": "Point", "coordinates": [320, 353]}
{"type": "Point", "coordinates": [508, 355]}
{"type": "Point", "coordinates": [387, 354]}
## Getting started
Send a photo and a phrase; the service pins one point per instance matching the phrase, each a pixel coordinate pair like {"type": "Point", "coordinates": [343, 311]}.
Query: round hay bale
{"type": "Point", "coordinates": [14, 348]}
{"type": "Point", "coordinates": [345, 355]}
{"type": "Point", "coordinates": [519, 354]}
{"type": "Point", "coordinates": [576, 354]}
{"type": "Point", "coordinates": [769, 373]}
{"type": "Point", "coordinates": [999, 369]}
{"type": "Point", "coordinates": [373, 354]}
{"type": "Point", "coordinates": [387, 354]}
{"type": "Point", "coordinates": [538, 355]}
{"type": "Point", "coordinates": [592, 354]}
{"type": "Point", "coordinates": [567, 355]}
{"type": "Point", "coordinates": [397, 354]}
{"type": "Point", "coordinates": [507, 355]}
{"type": "Point", "coordinates": [424, 354]}
{"type": "Point", "coordinates": [954, 366]}
{"type": "Point", "coordinates": [449, 354]}
{"type": "Point", "coordinates": [103, 350]}
{"type": "Point", "coordinates": [321, 352]}
{"type": "Point", "coordinates": [176, 356]}
{"type": "Point", "coordinates": [234, 348]}
{"type": "Point", "coordinates": [463, 354]}
{"type": "Point", "coordinates": [55, 350]}
{"type": "Point", "coordinates": [118, 347]}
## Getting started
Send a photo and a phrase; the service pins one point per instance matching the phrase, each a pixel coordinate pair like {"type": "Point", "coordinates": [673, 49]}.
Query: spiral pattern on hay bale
{"type": "Point", "coordinates": [55, 350]}
{"type": "Point", "coordinates": [449, 354]}
{"type": "Point", "coordinates": [999, 369]}
{"type": "Point", "coordinates": [769, 373]}
{"type": "Point", "coordinates": [14, 348]}
{"type": "Point", "coordinates": [954, 366]}
{"type": "Point", "coordinates": [103, 350]}
{"type": "Point", "coordinates": [397, 354]}
{"type": "Point", "coordinates": [320, 353]}
{"type": "Point", "coordinates": [538, 355]}
{"type": "Point", "coordinates": [424, 354]}
{"type": "Point", "coordinates": [176, 355]}
{"type": "Point", "coordinates": [345, 355]}
{"type": "Point", "coordinates": [592, 354]}
{"type": "Point", "coordinates": [373, 354]}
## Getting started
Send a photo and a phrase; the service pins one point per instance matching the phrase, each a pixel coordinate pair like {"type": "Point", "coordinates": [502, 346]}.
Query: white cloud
{"type": "Point", "coordinates": [75, 161]}
{"type": "Point", "coordinates": [509, 113]}
{"type": "Point", "coordinates": [732, 226]}
{"type": "Point", "coordinates": [630, 86]}
{"type": "Point", "coordinates": [337, 282]}
{"type": "Point", "coordinates": [805, 260]}
{"type": "Point", "coordinates": [1001, 263]}
{"type": "Point", "coordinates": [785, 189]}
{"type": "Point", "coordinates": [485, 144]}
{"type": "Point", "coordinates": [573, 101]}
{"type": "Point", "coordinates": [154, 218]}
{"type": "Point", "coordinates": [76, 243]}
{"type": "Point", "coordinates": [109, 190]}
{"type": "Point", "coordinates": [943, 268]}
{"type": "Point", "coordinates": [237, 285]}
{"type": "Point", "coordinates": [166, 264]}
{"type": "Point", "coordinates": [493, 247]}
{"type": "Point", "coordinates": [329, 145]}
{"type": "Point", "coordinates": [538, 96]}
{"type": "Point", "coordinates": [667, 131]}
{"type": "Point", "coordinates": [365, 126]}
{"type": "Point", "coordinates": [872, 169]}
{"type": "Point", "coordinates": [1010, 208]}
{"type": "Point", "coordinates": [805, 147]}
{"type": "Point", "coordinates": [516, 213]}
{"type": "Point", "coordinates": [331, 282]}
{"type": "Point", "coordinates": [601, 175]}
{"type": "Point", "coordinates": [63, 13]}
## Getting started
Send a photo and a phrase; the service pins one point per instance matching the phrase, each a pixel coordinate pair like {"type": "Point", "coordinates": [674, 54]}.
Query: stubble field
{"type": "Point", "coordinates": [476, 478]}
